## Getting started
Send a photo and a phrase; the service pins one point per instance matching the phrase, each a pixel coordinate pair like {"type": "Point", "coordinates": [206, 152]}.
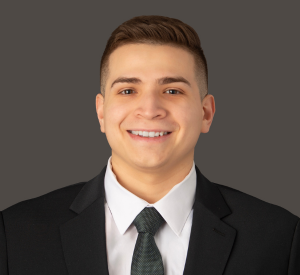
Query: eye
{"type": "Point", "coordinates": [175, 90]}
{"type": "Point", "coordinates": [125, 90]}
{"type": "Point", "coordinates": [167, 90]}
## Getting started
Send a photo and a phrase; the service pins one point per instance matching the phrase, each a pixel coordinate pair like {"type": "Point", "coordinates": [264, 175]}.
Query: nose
{"type": "Point", "coordinates": [150, 106]}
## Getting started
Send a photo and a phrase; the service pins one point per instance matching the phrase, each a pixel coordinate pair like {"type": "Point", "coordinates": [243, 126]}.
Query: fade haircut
{"type": "Point", "coordinates": [157, 30]}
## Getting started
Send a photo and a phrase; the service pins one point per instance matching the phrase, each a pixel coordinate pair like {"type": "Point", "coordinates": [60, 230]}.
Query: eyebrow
{"type": "Point", "coordinates": [161, 81]}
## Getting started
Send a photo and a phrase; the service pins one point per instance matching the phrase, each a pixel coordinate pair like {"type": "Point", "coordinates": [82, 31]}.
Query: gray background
{"type": "Point", "coordinates": [50, 56]}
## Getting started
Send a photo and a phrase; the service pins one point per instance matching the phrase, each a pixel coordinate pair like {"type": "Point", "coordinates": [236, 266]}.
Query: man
{"type": "Point", "coordinates": [150, 210]}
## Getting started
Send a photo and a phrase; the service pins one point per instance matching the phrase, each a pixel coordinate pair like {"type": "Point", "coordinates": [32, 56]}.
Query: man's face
{"type": "Point", "coordinates": [173, 107]}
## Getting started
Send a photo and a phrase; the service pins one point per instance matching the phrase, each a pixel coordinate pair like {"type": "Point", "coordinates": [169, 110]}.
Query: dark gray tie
{"type": "Point", "coordinates": [146, 258]}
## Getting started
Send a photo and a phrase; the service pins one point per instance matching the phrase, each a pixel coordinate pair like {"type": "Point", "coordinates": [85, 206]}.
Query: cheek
{"type": "Point", "coordinates": [188, 115]}
{"type": "Point", "coordinates": [190, 119]}
{"type": "Point", "coordinates": [114, 116]}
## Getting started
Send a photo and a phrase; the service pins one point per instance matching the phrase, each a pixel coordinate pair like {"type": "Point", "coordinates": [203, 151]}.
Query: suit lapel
{"type": "Point", "coordinates": [84, 240]}
{"type": "Point", "coordinates": [83, 237]}
{"type": "Point", "coordinates": [211, 239]}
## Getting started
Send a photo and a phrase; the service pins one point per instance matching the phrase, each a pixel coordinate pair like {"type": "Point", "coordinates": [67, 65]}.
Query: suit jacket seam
{"type": "Point", "coordinates": [297, 224]}
{"type": "Point", "coordinates": [5, 234]}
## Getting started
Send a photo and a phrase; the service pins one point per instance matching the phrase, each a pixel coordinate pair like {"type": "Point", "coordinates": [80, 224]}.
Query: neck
{"type": "Point", "coordinates": [151, 184]}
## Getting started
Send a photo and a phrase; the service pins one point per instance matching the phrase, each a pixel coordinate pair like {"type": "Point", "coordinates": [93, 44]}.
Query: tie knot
{"type": "Point", "coordinates": [148, 220]}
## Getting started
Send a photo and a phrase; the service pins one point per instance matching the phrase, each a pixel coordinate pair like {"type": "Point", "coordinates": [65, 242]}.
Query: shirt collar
{"type": "Point", "coordinates": [174, 207]}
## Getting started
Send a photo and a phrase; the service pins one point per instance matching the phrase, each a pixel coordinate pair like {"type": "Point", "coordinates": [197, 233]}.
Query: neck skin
{"type": "Point", "coordinates": [155, 183]}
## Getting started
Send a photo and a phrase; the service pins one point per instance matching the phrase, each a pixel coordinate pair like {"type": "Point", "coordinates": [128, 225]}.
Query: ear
{"type": "Point", "coordinates": [99, 110]}
{"type": "Point", "coordinates": [208, 111]}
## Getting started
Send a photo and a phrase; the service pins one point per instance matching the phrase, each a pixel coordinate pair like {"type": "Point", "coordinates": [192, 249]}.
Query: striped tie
{"type": "Point", "coordinates": [146, 258]}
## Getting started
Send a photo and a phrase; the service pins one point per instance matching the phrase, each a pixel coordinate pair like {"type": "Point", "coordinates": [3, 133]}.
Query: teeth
{"type": "Point", "coordinates": [148, 134]}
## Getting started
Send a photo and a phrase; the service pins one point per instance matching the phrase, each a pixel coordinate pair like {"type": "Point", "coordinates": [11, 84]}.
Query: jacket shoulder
{"type": "Point", "coordinates": [50, 206]}
{"type": "Point", "coordinates": [245, 206]}
{"type": "Point", "coordinates": [266, 233]}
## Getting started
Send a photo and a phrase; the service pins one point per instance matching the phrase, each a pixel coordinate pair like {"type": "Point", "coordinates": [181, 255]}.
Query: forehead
{"type": "Point", "coordinates": [151, 61]}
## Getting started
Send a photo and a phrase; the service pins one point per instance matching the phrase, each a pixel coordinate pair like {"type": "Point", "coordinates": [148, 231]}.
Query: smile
{"type": "Point", "coordinates": [150, 137]}
{"type": "Point", "coordinates": [148, 134]}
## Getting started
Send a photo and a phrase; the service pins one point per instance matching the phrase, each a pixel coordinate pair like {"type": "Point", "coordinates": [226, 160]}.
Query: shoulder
{"type": "Point", "coordinates": [250, 211]}
{"type": "Point", "coordinates": [49, 207]}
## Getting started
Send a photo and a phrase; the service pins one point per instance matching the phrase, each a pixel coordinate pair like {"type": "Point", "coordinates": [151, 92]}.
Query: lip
{"type": "Point", "coordinates": [150, 140]}
{"type": "Point", "coordinates": [147, 130]}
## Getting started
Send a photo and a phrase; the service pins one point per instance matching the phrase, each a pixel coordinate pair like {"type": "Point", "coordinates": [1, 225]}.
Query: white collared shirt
{"type": "Point", "coordinates": [172, 238]}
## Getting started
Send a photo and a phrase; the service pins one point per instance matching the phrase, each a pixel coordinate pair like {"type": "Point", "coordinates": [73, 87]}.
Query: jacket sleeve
{"type": "Point", "coordinates": [294, 262]}
{"type": "Point", "coordinates": [3, 253]}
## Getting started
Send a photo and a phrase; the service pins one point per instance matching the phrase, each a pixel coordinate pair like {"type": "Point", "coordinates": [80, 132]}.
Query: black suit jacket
{"type": "Point", "coordinates": [233, 233]}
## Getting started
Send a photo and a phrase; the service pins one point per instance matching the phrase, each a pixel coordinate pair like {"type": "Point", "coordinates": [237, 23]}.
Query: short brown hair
{"type": "Point", "coordinates": [156, 30]}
